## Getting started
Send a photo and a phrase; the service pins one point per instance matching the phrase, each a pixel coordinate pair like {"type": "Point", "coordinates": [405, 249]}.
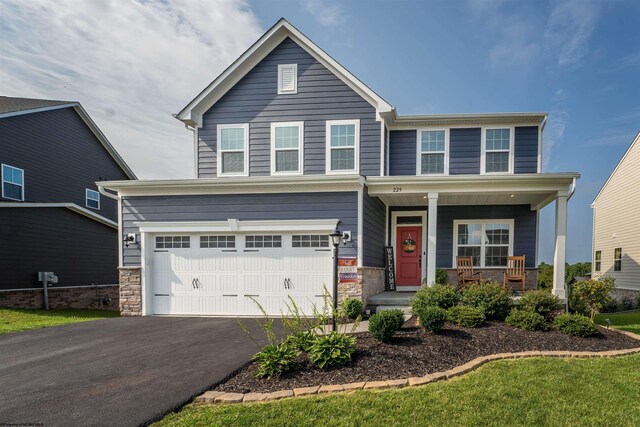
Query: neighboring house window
{"type": "Point", "coordinates": [233, 153]}
{"type": "Point", "coordinates": [12, 183]}
{"type": "Point", "coordinates": [217, 241]}
{"type": "Point", "coordinates": [598, 259]}
{"type": "Point", "coordinates": [617, 259]}
{"type": "Point", "coordinates": [173, 242]}
{"type": "Point", "coordinates": [433, 152]}
{"type": "Point", "coordinates": [343, 146]}
{"type": "Point", "coordinates": [287, 148]}
{"type": "Point", "coordinates": [310, 241]}
{"type": "Point", "coordinates": [263, 241]}
{"type": "Point", "coordinates": [489, 242]}
{"type": "Point", "coordinates": [497, 150]}
{"type": "Point", "coordinates": [93, 199]}
{"type": "Point", "coordinates": [287, 79]}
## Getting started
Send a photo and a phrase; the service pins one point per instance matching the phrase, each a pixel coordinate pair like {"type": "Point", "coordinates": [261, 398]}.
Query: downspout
{"type": "Point", "coordinates": [195, 148]}
{"type": "Point", "coordinates": [573, 188]}
{"type": "Point", "coordinates": [104, 192]}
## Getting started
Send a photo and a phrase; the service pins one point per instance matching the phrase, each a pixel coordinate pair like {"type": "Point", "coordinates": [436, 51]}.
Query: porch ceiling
{"type": "Point", "coordinates": [533, 199]}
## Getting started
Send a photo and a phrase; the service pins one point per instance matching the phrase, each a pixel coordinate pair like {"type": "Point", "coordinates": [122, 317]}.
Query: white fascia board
{"type": "Point", "coordinates": [635, 141]}
{"type": "Point", "coordinates": [38, 110]}
{"type": "Point", "coordinates": [71, 206]}
{"type": "Point", "coordinates": [237, 226]}
{"type": "Point", "coordinates": [465, 120]}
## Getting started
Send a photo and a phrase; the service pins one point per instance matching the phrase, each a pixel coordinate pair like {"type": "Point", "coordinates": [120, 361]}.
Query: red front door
{"type": "Point", "coordinates": [409, 256]}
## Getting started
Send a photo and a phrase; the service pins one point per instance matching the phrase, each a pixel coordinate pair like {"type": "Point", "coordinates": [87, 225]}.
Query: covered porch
{"type": "Point", "coordinates": [432, 220]}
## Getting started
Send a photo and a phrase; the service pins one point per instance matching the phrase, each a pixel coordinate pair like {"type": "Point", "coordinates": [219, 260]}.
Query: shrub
{"type": "Point", "coordinates": [352, 308]}
{"type": "Point", "coordinates": [610, 306]}
{"type": "Point", "coordinates": [302, 340]}
{"type": "Point", "coordinates": [575, 324]}
{"type": "Point", "coordinates": [467, 316]}
{"type": "Point", "coordinates": [276, 359]}
{"type": "Point", "coordinates": [332, 349]}
{"type": "Point", "coordinates": [492, 298]}
{"type": "Point", "coordinates": [443, 296]}
{"type": "Point", "coordinates": [442, 277]}
{"type": "Point", "coordinates": [432, 318]}
{"type": "Point", "coordinates": [383, 325]}
{"type": "Point", "coordinates": [541, 302]}
{"type": "Point", "coordinates": [626, 303]}
{"type": "Point", "coordinates": [526, 319]}
{"type": "Point", "coordinates": [595, 293]}
{"type": "Point", "coordinates": [576, 305]}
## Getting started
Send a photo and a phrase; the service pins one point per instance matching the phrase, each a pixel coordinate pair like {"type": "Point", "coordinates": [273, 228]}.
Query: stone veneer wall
{"type": "Point", "coordinates": [370, 282]}
{"type": "Point", "coordinates": [633, 295]}
{"type": "Point", "coordinates": [495, 274]}
{"type": "Point", "coordinates": [130, 291]}
{"type": "Point", "coordinates": [61, 298]}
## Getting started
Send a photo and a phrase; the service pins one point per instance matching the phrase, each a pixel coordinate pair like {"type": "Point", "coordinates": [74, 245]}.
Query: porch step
{"type": "Point", "coordinates": [404, 308]}
{"type": "Point", "coordinates": [391, 298]}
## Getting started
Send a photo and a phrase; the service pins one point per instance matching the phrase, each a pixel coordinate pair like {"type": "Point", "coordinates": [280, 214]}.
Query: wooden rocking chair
{"type": "Point", "coordinates": [515, 271]}
{"type": "Point", "coordinates": [464, 265]}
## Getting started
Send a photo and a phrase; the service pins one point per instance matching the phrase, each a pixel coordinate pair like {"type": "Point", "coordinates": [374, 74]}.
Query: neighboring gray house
{"type": "Point", "coordinates": [290, 145]}
{"type": "Point", "coordinates": [52, 216]}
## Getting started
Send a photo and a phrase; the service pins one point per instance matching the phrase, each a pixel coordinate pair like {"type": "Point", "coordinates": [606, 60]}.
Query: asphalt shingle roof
{"type": "Point", "coordinates": [10, 105]}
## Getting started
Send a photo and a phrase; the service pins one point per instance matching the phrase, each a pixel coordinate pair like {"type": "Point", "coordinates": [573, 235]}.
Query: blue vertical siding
{"type": "Point", "coordinates": [373, 230]}
{"type": "Point", "coordinates": [526, 149]}
{"type": "Point", "coordinates": [402, 152]}
{"type": "Point", "coordinates": [464, 151]}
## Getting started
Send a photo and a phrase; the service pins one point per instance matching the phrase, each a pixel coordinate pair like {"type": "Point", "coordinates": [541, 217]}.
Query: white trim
{"type": "Point", "coordinates": [356, 147]}
{"type": "Point", "coordinates": [71, 206]}
{"type": "Point", "coordinates": [537, 237]}
{"type": "Point", "coordinates": [635, 141]}
{"type": "Point", "coordinates": [120, 235]}
{"type": "Point", "coordinates": [245, 128]}
{"type": "Point", "coordinates": [483, 147]}
{"type": "Point", "coordinates": [196, 150]}
{"type": "Point", "coordinates": [382, 150]}
{"type": "Point", "coordinates": [395, 122]}
{"type": "Point", "coordinates": [423, 224]}
{"type": "Point", "coordinates": [37, 110]}
{"type": "Point", "coordinates": [86, 196]}
{"type": "Point", "coordinates": [540, 130]}
{"type": "Point", "coordinates": [388, 148]}
{"type": "Point", "coordinates": [482, 245]}
{"type": "Point", "coordinates": [360, 242]}
{"type": "Point", "coordinates": [300, 149]}
{"type": "Point", "coordinates": [282, 91]}
{"type": "Point", "coordinates": [2, 181]}
{"type": "Point", "coordinates": [238, 226]}
{"type": "Point", "coordinates": [432, 234]}
{"type": "Point", "coordinates": [419, 151]}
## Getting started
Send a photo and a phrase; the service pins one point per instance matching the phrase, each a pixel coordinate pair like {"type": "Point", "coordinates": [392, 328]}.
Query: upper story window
{"type": "Point", "coordinates": [497, 150]}
{"type": "Point", "coordinates": [598, 260]}
{"type": "Point", "coordinates": [433, 152]}
{"type": "Point", "coordinates": [287, 79]}
{"type": "Point", "coordinates": [343, 146]}
{"type": "Point", "coordinates": [287, 148]}
{"type": "Point", "coordinates": [617, 259]}
{"type": "Point", "coordinates": [12, 183]}
{"type": "Point", "coordinates": [93, 199]}
{"type": "Point", "coordinates": [488, 242]}
{"type": "Point", "coordinates": [233, 152]}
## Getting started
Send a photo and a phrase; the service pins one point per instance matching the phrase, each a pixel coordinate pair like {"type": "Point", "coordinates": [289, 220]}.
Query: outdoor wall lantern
{"type": "Point", "coordinates": [129, 239]}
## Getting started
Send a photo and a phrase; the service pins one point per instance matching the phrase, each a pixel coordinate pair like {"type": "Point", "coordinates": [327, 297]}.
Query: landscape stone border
{"type": "Point", "coordinates": [214, 397]}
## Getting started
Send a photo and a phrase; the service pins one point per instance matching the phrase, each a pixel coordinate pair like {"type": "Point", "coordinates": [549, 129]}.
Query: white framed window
{"type": "Point", "coordinates": [287, 142]}
{"type": "Point", "coordinates": [617, 259]}
{"type": "Point", "coordinates": [92, 199]}
{"type": "Point", "coordinates": [218, 242]}
{"type": "Point", "coordinates": [497, 150]}
{"type": "Point", "coordinates": [433, 152]}
{"type": "Point", "coordinates": [489, 242]}
{"type": "Point", "coordinates": [12, 183]}
{"type": "Point", "coordinates": [173, 242]}
{"type": "Point", "coordinates": [233, 150]}
{"type": "Point", "coordinates": [598, 260]}
{"type": "Point", "coordinates": [343, 146]}
{"type": "Point", "coordinates": [310, 241]}
{"type": "Point", "coordinates": [287, 79]}
{"type": "Point", "coordinates": [263, 241]}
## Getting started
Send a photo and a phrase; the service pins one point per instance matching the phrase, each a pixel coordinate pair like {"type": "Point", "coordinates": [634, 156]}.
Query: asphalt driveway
{"type": "Point", "coordinates": [121, 371]}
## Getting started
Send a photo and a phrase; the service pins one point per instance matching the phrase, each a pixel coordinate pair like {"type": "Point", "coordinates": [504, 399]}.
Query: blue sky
{"type": "Point", "coordinates": [134, 63]}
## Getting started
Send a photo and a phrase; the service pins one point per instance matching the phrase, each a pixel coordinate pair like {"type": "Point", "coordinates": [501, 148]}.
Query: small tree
{"type": "Point", "coordinates": [594, 293]}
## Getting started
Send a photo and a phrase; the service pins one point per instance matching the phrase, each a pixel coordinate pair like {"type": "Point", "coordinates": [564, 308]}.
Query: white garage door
{"type": "Point", "coordinates": [227, 274]}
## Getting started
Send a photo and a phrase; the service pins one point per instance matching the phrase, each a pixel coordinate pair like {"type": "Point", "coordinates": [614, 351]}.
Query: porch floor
{"type": "Point", "coordinates": [391, 298]}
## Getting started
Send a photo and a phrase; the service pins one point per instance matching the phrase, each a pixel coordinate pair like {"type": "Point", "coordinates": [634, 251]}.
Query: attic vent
{"type": "Point", "coordinates": [287, 78]}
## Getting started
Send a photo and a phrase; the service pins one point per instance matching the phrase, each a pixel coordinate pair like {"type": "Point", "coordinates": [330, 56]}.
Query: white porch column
{"type": "Point", "coordinates": [432, 215]}
{"type": "Point", "coordinates": [560, 253]}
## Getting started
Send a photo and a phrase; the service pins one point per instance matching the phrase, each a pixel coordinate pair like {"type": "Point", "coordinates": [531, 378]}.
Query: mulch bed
{"type": "Point", "coordinates": [414, 353]}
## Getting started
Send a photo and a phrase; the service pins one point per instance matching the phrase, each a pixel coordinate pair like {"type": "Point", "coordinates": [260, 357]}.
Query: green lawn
{"type": "Point", "coordinates": [628, 321]}
{"type": "Point", "coordinates": [15, 320]}
{"type": "Point", "coordinates": [528, 392]}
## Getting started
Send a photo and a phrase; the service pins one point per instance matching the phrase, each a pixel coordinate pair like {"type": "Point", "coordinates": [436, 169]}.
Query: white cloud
{"type": "Point", "coordinates": [131, 65]}
{"type": "Point", "coordinates": [569, 28]}
{"type": "Point", "coordinates": [553, 135]}
{"type": "Point", "coordinates": [327, 14]}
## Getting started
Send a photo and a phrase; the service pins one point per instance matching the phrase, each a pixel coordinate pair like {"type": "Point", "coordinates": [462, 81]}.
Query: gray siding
{"type": "Point", "coordinates": [321, 96]}
{"type": "Point", "coordinates": [60, 156]}
{"type": "Point", "coordinates": [464, 151]}
{"type": "Point", "coordinates": [79, 250]}
{"type": "Point", "coordinates": [524, 239]}
{"type": "Point", "coordinates": [338, 205]}
{"type": "Point", "coordinates": [526, 149]}
{"type": "Point", "coordinates": [402, 152]}
{"type": "Point", "coordinates": [373, 230]}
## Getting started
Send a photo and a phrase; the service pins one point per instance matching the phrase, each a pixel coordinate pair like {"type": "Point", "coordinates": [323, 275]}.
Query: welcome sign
{"type": "Point", "coordinates": [390, 269]}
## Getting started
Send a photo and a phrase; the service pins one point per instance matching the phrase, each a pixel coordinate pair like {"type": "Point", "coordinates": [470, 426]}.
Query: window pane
{"type": "Point", "coordinates": [12, 191]}
{"type": "Point", "coordinates": [232, 162]}
{"type": "Point", "coordinates": [342, 159]}
{"type": "Point", "coordinates": [472, 251]}
{"type": "Point", "coordinates": [343, 136]}
{"type": "Point", "coordinates": [498, 139]}
{"type": "Point", "coordinates": [92, 204]}
{"type": "Point", "coordinates": [287, 137]}
{"type": "Point", "coordinates": [432, 140]}
{"type": "Point", "coordinates": [232, 139]}
{"type": "Point", "coordinates": [496, 256]}
{"type": "Point", "coordinates": [287, 161]}
{"type": "Point", "coordinates": [470, 234]}
{"type": "Point", "coordinates": [432, 163]}
{"type": "Point", "coordinates": [497, 162]}
{"type": "Point", "coordinates": [497, 234]}
{"type": "Point", "coordinates": [598, 255]}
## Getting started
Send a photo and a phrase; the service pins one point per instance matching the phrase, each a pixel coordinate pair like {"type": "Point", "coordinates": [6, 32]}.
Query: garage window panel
{"type": "Point", "coordinates": [173, 242]}
{"type": "Point", "coordinates": [310, 241]}
{"type": "Point", "coordinates": [263, 241]}
{"type": "Point", "coordinates": [217, 241]}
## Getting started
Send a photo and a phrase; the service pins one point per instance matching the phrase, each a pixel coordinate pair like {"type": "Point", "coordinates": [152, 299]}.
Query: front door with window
{"type": "Point", "coordinates": [408, 255]}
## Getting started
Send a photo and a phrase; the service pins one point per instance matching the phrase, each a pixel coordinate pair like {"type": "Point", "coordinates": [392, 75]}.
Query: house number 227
{"type": "Point", "coordinates": [397, 189]}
